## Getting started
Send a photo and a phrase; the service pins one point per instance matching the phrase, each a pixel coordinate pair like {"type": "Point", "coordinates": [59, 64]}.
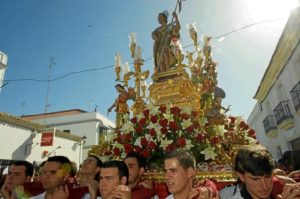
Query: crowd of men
{"type": "Point", "coordinates": [257, 177]}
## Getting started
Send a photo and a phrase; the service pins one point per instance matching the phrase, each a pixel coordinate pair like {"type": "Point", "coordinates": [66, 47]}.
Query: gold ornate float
{"type": "Point", "coordinates": [182, 108]}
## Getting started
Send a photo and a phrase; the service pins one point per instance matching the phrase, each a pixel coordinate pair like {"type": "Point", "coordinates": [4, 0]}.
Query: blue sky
{"type": "Point", "coordinates": [84, 34]}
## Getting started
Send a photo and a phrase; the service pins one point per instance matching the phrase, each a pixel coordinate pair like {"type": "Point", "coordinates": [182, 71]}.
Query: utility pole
{"type": "Point", "coordinates": [48, 88]}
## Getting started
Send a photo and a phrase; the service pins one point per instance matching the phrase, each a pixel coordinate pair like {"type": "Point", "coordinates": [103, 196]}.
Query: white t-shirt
{"type": "Point", "coordinates": [170, 197]}
{"type": "Point", "coordinates": [231, 192]}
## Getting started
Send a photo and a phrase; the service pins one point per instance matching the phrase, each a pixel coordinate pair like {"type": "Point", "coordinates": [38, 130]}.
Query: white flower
{"type": "Point", "coordinates": [168, 106]}
{"type": "Point", "coordinates": [127, 128]}
{"type": "Point", "coordinates": [209, 153]}
{"type": "Point", "coordinates": [118, 145]}
{"type": "Point", "coordinates": [126, 117]}
{"type": "Point", "coordinates": [123, 155]}
{"type": "Point", "coordinates": [139, 117]}
{"type": "Point", "coordinates": [149, 138]}
{"type": "Point", "coordinates": [188, 144]}
{"type": "Point", "coordinates": [153, 110]}
{"type": "Point", "coordinates": [250, 140]}
{"type": "Point", "coordinates": [186, 123]}
{"type": "Point", "coordinates": [165, 142]}
{"type": "Point", "coordinates": [169, 117]}
{"type": "Point", "coordinates": [180, 133]}
{"type": "Point", "coordinates": [202, 121]}
{"type": "Point", "coordinates": [152, 125]}
{"type": "Point", "coordinates": [219, 130]}
{"type": "Point", "coordinates": [138, 142]}
{"type": "Point", "coordinates": [110, 136]}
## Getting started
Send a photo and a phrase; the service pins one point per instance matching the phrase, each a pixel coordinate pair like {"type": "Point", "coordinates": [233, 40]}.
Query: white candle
{"type": "Point", "coordinates": [138, 53]}
{"type": "Point", "coordinates": [126, 68]}
{"type": "Point", "coordinates": [117, 59]}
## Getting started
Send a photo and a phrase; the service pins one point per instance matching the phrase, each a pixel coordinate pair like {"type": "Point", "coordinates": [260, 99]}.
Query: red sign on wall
{"type": "Point", "coordinates": [47, 138]}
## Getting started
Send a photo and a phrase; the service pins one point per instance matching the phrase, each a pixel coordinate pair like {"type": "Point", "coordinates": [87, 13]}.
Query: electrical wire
{"type": "Point", "coordinates": [146, 60]}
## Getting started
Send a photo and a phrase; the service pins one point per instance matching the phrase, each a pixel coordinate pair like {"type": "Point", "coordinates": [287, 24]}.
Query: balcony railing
{"type": "Point", "coordinates": [269, 123]}
{"type": "Point", "coordinates": [295, 93]}
{"type": "Point", "coordinates": [282, 112]}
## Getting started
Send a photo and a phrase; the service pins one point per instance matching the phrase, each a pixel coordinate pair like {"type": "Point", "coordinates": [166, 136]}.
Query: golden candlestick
{"type": "Point", "coordinates": [139, 104]}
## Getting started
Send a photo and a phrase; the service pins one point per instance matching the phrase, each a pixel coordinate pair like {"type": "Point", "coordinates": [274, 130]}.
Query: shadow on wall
{"type": "Point", "coordinates": [24, 150]}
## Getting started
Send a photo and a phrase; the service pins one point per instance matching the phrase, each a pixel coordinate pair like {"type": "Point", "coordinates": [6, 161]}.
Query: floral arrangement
{"type": "Point", "coordinates": [165, 128]}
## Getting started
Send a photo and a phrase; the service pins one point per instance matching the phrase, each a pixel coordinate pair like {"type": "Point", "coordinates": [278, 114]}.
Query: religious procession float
{"type": "Point", "coordinates": [182, 108]}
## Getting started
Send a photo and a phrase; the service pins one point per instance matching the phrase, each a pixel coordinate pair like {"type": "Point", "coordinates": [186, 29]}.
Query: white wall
{"type": "Point", "coordinates": [288, 78]}
{"type": "Point", "coordinates": [18, 143]}
{"type": "Point", "coordinates": [82, 124]}
{"type": "Point", "coordinates": [13, 141]}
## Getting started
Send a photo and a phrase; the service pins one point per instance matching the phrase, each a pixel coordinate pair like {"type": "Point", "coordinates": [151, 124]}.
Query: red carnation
{"type": "Point", "coordinates": [129, 137]}
{"type": "Point", "coordinates": [152, 145]}
{"type": "Point", "coordinates": [128, 148]}
{"type": "Point", "coordinates": [200, 137]}
{"type": "Point", "coordinates": [170, 147]}
{"type": "Point", "coordinates": [173, 126]}
{"type": "Point", "coordinates": [138, 128]}
{"type": "Point", "coordinates": [144, 141]}
{"type": "Point", "coordinates": [146, 153]}
{"type": "Point", "coordinates": [175, 110]}
{"type": "Point", "coordinates": [251, 133]}
{"type": "Point", "coordinates": [117, 151]}
{"type": "Point", "coordinates": [185, 116]}
{"type": "Point", "coordinates": [164, 130]}
{"type": "Point", "coordinates": [133, 120]}
{"type": "Point", "coordinates": [232, 119]}
{"type": "Point", "coordinates": [215, 140]}
{"type": "Point", "coordinates": [196, 124]}
{"type": "Point", "coordinates": [146, 112]}
{"type": "Point", "coordinates": [137, 149]}
{"type": "Point", "coordinates": [190, 129]}
{"type": "Point", "coordinates": [194, 114]}
{"type": "Point", "coordinates": [153, 118]}
{"type": "Point", "coordinates": [181, 142]}
{"type": "Point", "coordinates": [122, 138]}
{"type": "Point", "coordinates": [243, 125]}
{"type": "Point", "coordinates": [143, 121]}
{"type": "Point", "coordinates": [163, 122]}
{"type": "Point", "coordinates": [162, 109]}
{"type": "Point", "coordinates": [152, 132]}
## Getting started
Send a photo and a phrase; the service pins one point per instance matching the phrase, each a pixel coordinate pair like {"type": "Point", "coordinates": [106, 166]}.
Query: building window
{"type": "Point", "coordinates": [295, 144]}
{"type": "Point", "coordinates": [295, 93]}
{"type": "Point", "coordinates": [269, 123]}
{"type": "Point", "coordinates": [282, 112]}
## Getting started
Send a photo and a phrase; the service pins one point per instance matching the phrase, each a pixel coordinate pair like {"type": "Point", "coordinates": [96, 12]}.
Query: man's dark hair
{"type": "Point", "coordinates": [185, 158]}
{"type": "Point", "coordinates": [120, 165]}
{"type": "Point", "coordinates": [140, 159]}
{"type": "Point", "coordinates": [255, 160]}
{"type": "Point", "coordinates": [98, 161]}
{"type": "Point", "coordinates": [63, 160]}
{"type": "Point", "coordinates": [28, 167]}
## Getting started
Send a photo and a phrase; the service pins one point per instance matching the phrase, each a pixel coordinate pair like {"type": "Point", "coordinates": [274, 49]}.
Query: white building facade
{"type": "Point", "coordinates": [276, 115]}
{"type": "Point", "coordinates": [21, 140]}
{"type": "Point", "coordinates": [87, 125]}
{"type": "Point", "coordinates": [3, 66]}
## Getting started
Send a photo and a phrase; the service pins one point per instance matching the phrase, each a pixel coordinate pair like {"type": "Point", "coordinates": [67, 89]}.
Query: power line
{"type": "Point", "coordinates": [146, 60]}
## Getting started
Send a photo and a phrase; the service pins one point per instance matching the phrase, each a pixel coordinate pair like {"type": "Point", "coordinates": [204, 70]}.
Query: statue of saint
{"type": "Point", "coordinates": [120, 104]}
{"type": "Point", "coordinates": [165, 37]}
